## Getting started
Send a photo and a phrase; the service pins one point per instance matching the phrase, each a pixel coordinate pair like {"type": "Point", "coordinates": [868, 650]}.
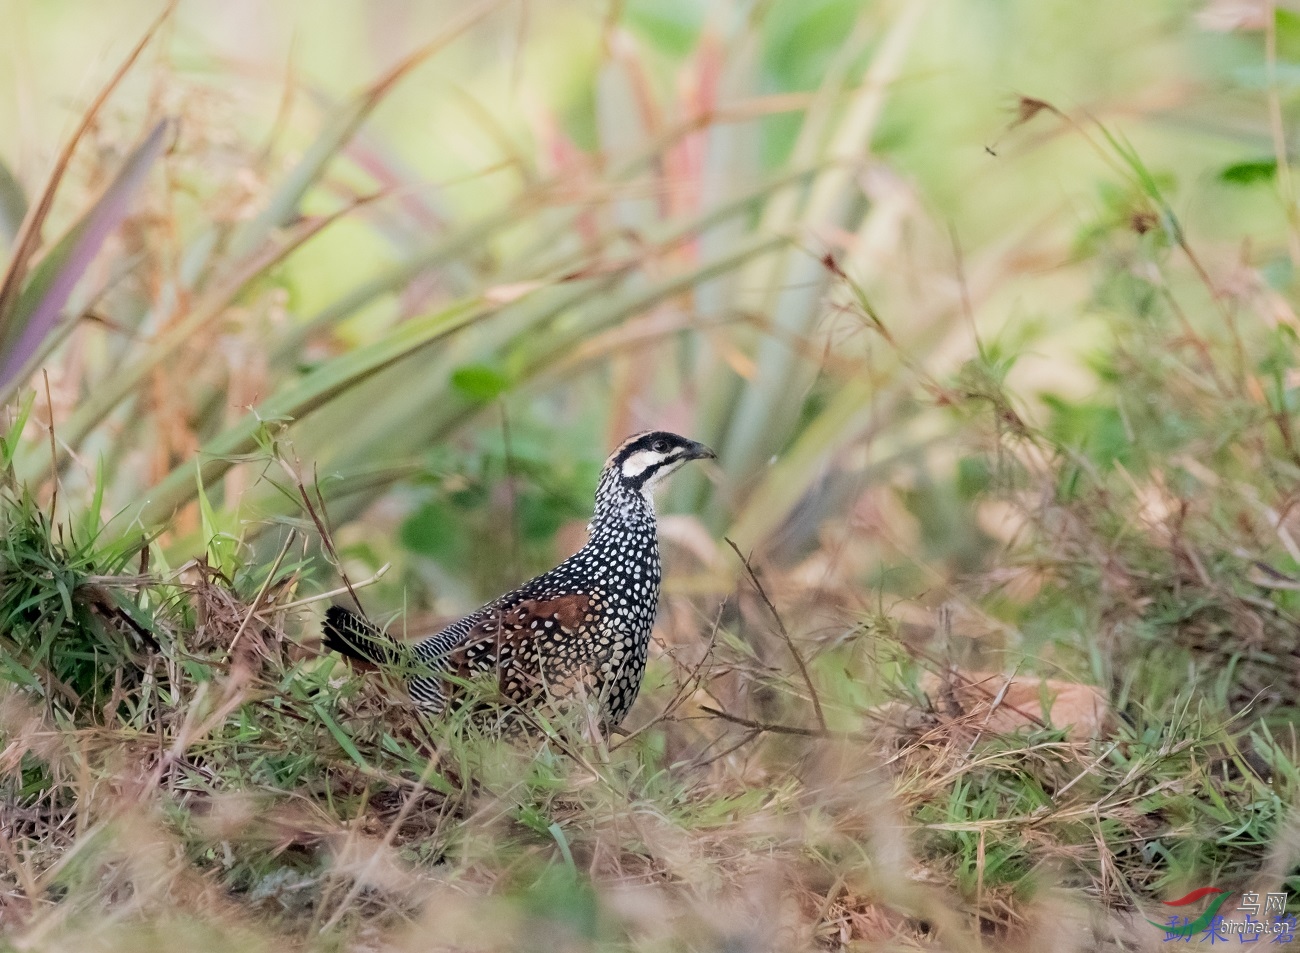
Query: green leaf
{"type": "Point", "coordinates": [479, 382]}
{"type": "Point", "coordinates": [15, 431]}
{"type": "Point", "coordinates": [1249, 173]}
{"type": "Point", "coordinates": [1287, 23]}
{"type": "Point", "coordinates": [91, 518]}
{"type": "Point", "coordinates": [802, 37]}
{"type": "Point", "coordinates": [435, 531]}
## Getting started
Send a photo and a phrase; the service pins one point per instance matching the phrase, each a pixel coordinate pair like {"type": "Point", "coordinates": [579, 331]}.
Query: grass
{"type": "Point", "coordinates": [981, 635]}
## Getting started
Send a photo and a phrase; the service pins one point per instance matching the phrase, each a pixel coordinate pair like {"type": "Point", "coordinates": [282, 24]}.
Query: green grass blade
{"type": "Point", "coordinates": [764, 413]}
{"type": "Point", "coordinates": [341, 736]}
{"type": "Point", "coordinates": [15, 431]}
{"type": "Point", "coordinates": [13, 204]}
{"type": "Point", "coordinates": [222, 547]}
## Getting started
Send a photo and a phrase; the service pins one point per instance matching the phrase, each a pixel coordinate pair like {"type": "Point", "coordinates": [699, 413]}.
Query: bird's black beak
{"type": "Point", "coordinates": [698, 451]}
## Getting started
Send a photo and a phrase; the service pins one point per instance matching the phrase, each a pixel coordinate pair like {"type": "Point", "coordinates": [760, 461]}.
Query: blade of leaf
{"type": "Point", "coordinates": [41, 302]}
{"type": "Point", "coordinates": [92, 517]}
{"type": "Point", "coordinates": [15, 431]}
{"type": "Point", "coordinates": [302, 397]}
{"type": "Point", "coordinates": [222, 548]}
{"type": "Point", "coordinates": [764, 414]}
{"type": "Point", "coordinates": [13, 204]}
{"type": "Point", "coordinates": [111, 392]}
{"type": "Point", "coordinates": [346, 743]}
{"type": "Point", "coordinates": [283, 205]}
{"type": "Point", "coordinates": [428, 420]}
{"type": "Point", "coordinates": [463, 240]}
{"type": "Point", "coordinates": [28, 239]}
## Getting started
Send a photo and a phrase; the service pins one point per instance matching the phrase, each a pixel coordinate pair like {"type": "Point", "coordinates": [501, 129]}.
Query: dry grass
{"type": "Point", "coordinates": [261, 796]}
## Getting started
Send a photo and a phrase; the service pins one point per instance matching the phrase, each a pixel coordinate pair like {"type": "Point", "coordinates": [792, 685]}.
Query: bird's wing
{"type": "Point", "coordinates": [501, 628]}
{"type": "Point", "coordinates": [499, 640]}
{"type": "Point", "coordinates": [499, 631]}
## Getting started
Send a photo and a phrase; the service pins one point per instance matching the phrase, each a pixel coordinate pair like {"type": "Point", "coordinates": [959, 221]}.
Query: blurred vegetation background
{"type": "Point", "coordinates": [988, 308]}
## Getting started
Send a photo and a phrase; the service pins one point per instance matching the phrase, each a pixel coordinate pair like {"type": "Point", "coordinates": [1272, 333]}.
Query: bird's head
{"type": "Point", "coordinates": [643, 460]}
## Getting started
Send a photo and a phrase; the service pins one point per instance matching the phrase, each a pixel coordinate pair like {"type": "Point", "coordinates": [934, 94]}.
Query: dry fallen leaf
{"type": "Point", "coordinates": [992, 702]}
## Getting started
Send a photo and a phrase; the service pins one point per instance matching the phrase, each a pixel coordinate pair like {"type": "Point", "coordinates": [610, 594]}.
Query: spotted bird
{"type": "Point", "coordinates": [581, 630]}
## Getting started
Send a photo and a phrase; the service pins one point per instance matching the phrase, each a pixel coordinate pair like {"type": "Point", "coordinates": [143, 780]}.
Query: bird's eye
{"type": "Point", "coordinates": [659, 446]}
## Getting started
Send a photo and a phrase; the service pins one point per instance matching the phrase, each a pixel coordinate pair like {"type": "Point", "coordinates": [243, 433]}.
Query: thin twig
{"type": "Point", "coordinates": [993, 707]}
{"type": "Point", "coordinates": [798, 659]}
{"type": "Point", "coordinates": [959, 268]}
{"type": "Point", "coordinates": [1085, 772]}
{"type": "Point", "coordinates": [703, 762]}
{"type": "Point", "coordinates": [1278, 130]}
{"type": "Point", "coordinates": [511, 490]}
{"type": "Point", "coordinates": [972, 684]}
{"type": "Point", "coordinates": [339, 591]}
{"type": "Point", "coordinates": [261, 594]}
{"type": "Point", "coordinates": [327, 535]}
{"type": "Point", "coordinates": [22, 872]}
{"type": "Point", "coordinates": [779, 729]}
{"type": "Point", "coordinates": [54, 451]}
{"type": "Point", "coordinates": [320, 517]}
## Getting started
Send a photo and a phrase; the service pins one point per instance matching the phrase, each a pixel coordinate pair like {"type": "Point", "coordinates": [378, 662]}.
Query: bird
{"type": "Point", "coordinates": [580, 630]}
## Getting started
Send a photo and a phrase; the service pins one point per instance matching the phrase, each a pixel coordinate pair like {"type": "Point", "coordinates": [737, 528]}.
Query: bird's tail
{"type": "Point", "coordinates": [353, 637]}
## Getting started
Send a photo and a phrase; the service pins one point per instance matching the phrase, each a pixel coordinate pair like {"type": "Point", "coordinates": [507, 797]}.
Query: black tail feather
{"type": "Point", "coordinates": [353, 637]}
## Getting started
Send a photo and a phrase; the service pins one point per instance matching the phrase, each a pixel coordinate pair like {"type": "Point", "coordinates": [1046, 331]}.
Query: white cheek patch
{"type": "Point", "coordinates": [638, 463]}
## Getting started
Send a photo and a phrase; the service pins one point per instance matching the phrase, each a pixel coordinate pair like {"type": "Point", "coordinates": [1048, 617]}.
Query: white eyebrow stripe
{"type": "Point", "coordinates": [638, 463]}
